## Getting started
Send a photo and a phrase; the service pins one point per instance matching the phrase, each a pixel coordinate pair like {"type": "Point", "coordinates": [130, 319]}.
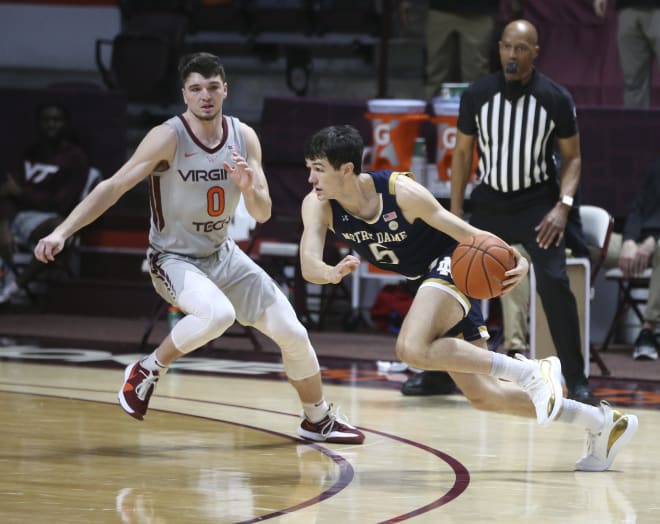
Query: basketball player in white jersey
{"type": "Point", "coordinates": [199, 164]}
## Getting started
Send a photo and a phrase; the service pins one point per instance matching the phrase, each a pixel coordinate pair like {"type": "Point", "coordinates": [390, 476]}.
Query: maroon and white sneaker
{"type": "Point", "coordinates": [138, 386]}
{"type": "Point", "coordinates": [333, 428]}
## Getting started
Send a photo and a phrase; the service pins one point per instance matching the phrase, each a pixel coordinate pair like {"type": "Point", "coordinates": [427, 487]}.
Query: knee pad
{"type": "Point", "coordinates": [208, 315]}
{"type": "Point", "coordinates": [280, 323]}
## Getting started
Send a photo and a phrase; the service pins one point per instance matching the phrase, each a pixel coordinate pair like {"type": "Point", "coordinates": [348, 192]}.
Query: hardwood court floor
{"type": "Point", "coordinates": [216, 448]}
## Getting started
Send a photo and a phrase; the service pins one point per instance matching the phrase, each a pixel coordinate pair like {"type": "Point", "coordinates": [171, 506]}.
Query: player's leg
{"type": "Point", "coordinates": [488, 393]}
{"type": "Point", "coordinates": [259, 302]}
{"type": "Point", "coordinates": [437, 307]}
{"type": "Point", "coordinates": [209, 313]}
{"type": "Point", "coordinates": [321, 421]}
{"type": "Point", "coordinates": [482, 390]}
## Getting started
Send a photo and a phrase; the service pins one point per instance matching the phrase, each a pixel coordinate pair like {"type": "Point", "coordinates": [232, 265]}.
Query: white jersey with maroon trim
{"type": "Point", "coordinates": [193, 202]}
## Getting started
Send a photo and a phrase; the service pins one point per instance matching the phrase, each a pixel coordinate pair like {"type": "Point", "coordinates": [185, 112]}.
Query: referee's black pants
{"type": "Point", "coordinates": [513, 217]}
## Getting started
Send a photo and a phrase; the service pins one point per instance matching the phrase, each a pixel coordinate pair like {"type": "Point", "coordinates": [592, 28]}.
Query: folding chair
{"type": "Point", "coordinates": [597, 226]}
{"type": "Point", "coordinates": [627, 299]}
{"type": "Point", "coordinates": [66, 266]}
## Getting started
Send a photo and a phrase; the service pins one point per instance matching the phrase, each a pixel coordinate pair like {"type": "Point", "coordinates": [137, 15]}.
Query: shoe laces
{"type": "Point", "coordinates": [533, 378]}
{"type": "Point", "coordinates": [143, 387]}
{"type": "Point", "coordinates": [332, 417]}
{"type": "Point", "coordinates": [593, 435]}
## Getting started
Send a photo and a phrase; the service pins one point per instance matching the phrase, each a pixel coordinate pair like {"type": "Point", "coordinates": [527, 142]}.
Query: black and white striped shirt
{"type": "Point", "coordinates": [516, 133]}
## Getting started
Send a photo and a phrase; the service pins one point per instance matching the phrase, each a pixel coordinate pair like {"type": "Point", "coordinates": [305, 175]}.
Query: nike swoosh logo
{"type": "Point", "coordinates": [188, 155]}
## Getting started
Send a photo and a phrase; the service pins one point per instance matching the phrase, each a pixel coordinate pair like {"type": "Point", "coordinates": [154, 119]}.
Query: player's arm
{"type": "Point", "coordinates": [551, 229]}
{"type": "Point", "coordinates": [461, 165]}
{"type": "Point", "coordinates": [317, 217]}
{"type": "Point", "coordinates": [249, 176]}
{"type": "Point", "coordinates": [157, 147]}
{"type": "Point", "coordinates": [417, 202]}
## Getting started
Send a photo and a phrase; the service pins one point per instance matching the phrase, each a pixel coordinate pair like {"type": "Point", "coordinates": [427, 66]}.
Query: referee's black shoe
{"type": "Point", "coordinates": [583, 393]}
{"type": "Point", "coordinates": [428, 383]}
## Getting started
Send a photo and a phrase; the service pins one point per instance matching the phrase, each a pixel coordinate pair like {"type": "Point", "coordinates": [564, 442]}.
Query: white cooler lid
{"type": "Point", "coordinates": [393, 105]}
{"type": "Point", "coordinates": [445, 106]}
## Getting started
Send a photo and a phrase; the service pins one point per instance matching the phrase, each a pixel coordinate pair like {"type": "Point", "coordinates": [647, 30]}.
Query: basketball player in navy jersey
{"type": "Point", "coordinates": [199, 164]}
{"type": "Point", "coordinates": [396, 224]}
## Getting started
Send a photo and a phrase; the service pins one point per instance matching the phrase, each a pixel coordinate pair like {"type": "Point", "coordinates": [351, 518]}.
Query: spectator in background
{"type": "Point", "coordinates": [640, 248]}
{"type": "Point", "coordinates": [515, 305]}
{"type": "Point", "coordinates": [638, 37]}
{"type": "Point", "coordinates": [459, 36]}
{"type": "Point", "coordinates": [37, 195]}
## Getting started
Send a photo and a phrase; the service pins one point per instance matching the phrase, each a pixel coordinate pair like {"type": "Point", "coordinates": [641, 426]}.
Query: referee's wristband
{"type": "Point", "coordinates": [567, 200]}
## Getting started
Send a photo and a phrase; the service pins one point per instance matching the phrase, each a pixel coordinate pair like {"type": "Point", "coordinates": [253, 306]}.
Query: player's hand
{"type": "Point", "coordinates": [346, 266]}
{"type": "Point", "coordinates": [48, 247]}
{"type": "Point", "coordinates": [241, 172]}
{"type": "Point", "coordinates": [515, 275]}
{"type": "Point", "coordinates": [551, 229]}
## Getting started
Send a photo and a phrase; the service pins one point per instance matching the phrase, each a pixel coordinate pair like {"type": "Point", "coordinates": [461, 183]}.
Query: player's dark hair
{"type": "Point", "coordinates": [206, 64]}
{"type": "Point", "coordinates": [338, 144]}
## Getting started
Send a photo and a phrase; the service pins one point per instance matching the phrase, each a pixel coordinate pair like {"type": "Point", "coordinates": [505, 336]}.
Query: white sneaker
{"type": "Point", "coordinates": [544, 387]}
{"type": "Point", "coordinates": [603, 445]}
{"type": "Point", "coordinates": [333, 428]}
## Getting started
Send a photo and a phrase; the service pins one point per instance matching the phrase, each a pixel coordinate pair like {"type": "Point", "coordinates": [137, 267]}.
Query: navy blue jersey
{"type": "Point", "coordinates": [388, 240]}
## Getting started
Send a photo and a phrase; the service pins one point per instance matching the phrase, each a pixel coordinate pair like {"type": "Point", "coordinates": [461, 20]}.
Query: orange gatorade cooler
{"type": "Point", "coordinates": [446, 119]}
{"type": "Point", "coordinates": [396, 124]}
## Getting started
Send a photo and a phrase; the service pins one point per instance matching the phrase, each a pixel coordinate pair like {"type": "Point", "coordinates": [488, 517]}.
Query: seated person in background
{"type": "Point", "coordinates": [639, 250]}
{"type": "Point", "coordinates": [515, 305]}
{"type": "Point", "coordinates": [37, 194]}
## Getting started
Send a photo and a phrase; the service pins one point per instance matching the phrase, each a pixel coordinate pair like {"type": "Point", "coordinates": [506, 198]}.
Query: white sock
{"type": "Point", "coordinates": [151, 363]}
{"type": "Point", "coordinates": [316, 412]}
{"type": "Point", "coordinates": [509, 368]}
{"type": "Point", "coordinates": [591, 417]}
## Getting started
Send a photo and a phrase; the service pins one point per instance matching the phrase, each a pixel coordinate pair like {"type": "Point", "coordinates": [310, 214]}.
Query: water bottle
{"type": "Point", "coordinates": [418, 164]}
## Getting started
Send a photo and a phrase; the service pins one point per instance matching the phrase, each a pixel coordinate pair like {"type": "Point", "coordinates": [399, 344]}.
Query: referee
{"type": "Point", "coordinates": [518, 116]}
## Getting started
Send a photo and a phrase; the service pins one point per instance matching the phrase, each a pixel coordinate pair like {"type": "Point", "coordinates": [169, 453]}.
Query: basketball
{"type": "Point", "coordinates": [478, 265]}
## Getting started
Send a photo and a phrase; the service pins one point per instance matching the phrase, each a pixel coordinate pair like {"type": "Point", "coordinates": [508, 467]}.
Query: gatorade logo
{"type": "Point", "coordinates": [448, 137]}
{"type": "Point", "coordinates": [382, 134]}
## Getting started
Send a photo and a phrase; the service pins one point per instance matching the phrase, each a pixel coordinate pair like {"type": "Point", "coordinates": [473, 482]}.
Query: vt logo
{"type": "Point", "coordinates": [36, 173]}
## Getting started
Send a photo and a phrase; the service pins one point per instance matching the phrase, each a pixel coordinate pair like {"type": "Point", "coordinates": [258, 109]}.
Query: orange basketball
{"type": "Point", "coordinates": [478, 265]}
